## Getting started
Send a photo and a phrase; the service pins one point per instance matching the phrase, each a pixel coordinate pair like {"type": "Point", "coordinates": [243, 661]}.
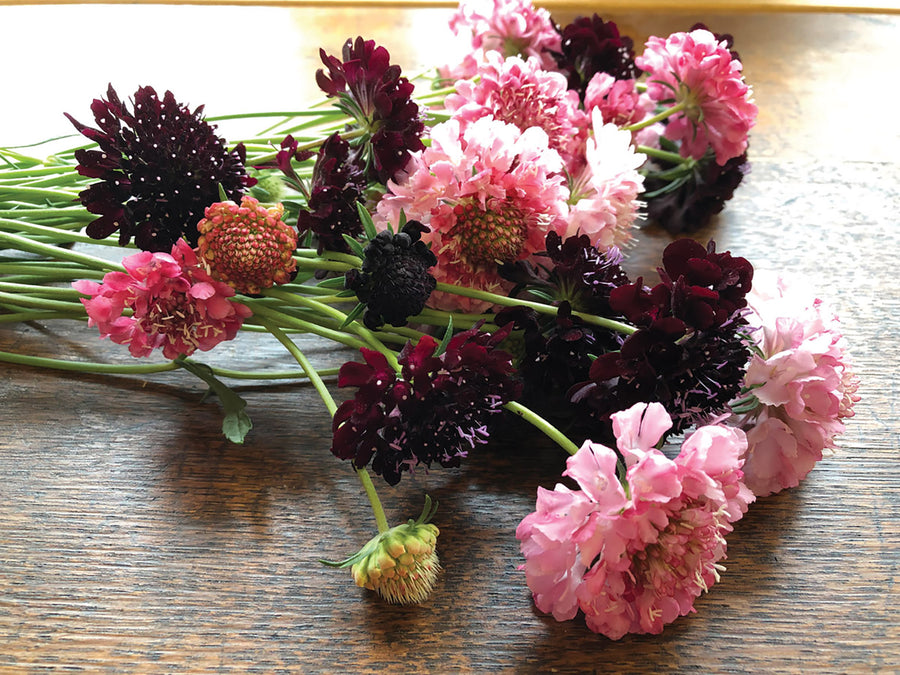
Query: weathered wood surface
{"type": "Point", "coordinates": [133, 538]}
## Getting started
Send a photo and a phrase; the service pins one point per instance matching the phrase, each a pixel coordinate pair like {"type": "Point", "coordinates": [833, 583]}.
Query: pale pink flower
{"type": "Point", "coordinates": [510, 27]}
{"type": "Point", "coordinates": [634, 554]}
{"type": "Point", "coordinates": [697, 70]}
{"type": "Point", "coordinates": [489, 193]}
{"type": "Point", "coordinates": [522, 93]}
{"type": "Point", "coordinates": [603, 196]}
{"type": "Point", "coordinates": [801, 381]}
{"type": "Point", "coordinates": [176, 305]}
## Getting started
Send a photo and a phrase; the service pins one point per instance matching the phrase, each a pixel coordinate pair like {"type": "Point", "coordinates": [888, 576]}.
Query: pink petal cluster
{"type": "Point", "coordinates": [176, 305]}
{"type": "Point", "coordinates": [522, 93]}
{"type": "Point", "coordinates": [699, 71]}
{"type": "Point", "coordinates": [603, 200]}
{"type": "Point", "coordinates": [618, 100]}
{"type": "Point", "coordinates": [489, 192]}
{"type": "Point", "coordinates": [510, 27]}
{"type": "Point", "coordinates": [803, 381]}
{"type": "Point", "coordinates": [633, 555]}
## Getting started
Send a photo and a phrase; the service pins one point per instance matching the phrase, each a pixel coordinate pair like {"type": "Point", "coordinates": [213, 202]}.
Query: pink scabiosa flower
{"type": "Point", "coordinates": [489, 194]}
{"type": "Point", "coordinates": [633, 553]}
{"type": "Point", "coordinates": [699, 72]}
{"type": "Point", "coordinates": [618, 100]}
{"type": "Point", "coordinates": [176, 305]}
{"type": "Point", "coordinates": [603, 196]}
{"type": "Point", "coordinates": [510, 27]}
{"type": "Point", "coordinates": [249, 247]}
{"type": "Point", "coordinates": [159, 166]}
{"type": "Point", "coordinates": [522, 93]}
{"type": "Point", "coordinates": [800, 383]}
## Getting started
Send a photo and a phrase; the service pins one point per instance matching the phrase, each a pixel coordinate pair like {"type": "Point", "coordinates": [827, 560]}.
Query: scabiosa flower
{"type": "Point", "coordinates": [509, 27]}
{"type": "Point", "coordinates": [338, 185]}
{"type": "Point", "coordinates": [160, 167]}
{"type": "Point", "coordinates": [603, 196]}
{"type": "Point", "coordinates": [401, 565]}
{"type": "Point", "coordinates": [689, 352]}
{"type": "Point", "coordinates": [634, 553]}
{"type": "Point", "coordinates": [522, 93]}
{"type": "Point", "coordinates": [394, 282]}
{"type": "Point", "coordinates": [590, 45]}
{"type": "Point", "coordinates": [696, 70]}
{"type": "Point", "coordinates": [440, 407]}
{"type": "Point", "coordinates": [800, 383]}
{"type": "Point", "coordinates": [372, 91]}
{"type": "Point", "coordinates": [489, 194]}
{"type": "Point", "coordinates": [697, 196]}
{"type": "Point", "coordinates": [619, 101]}
{"type": "Point", "coordinates": [249, 247]}
{"type": "Point", "coordinates": [176, 306]}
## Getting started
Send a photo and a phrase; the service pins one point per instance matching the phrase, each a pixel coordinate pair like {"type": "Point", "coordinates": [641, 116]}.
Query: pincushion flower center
{"type": "Point", "coordinates": [175, 317]}
{"type": "Point", "coordinates": [488, 235]}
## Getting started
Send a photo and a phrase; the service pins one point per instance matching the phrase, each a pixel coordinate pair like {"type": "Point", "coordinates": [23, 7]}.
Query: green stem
{"type": "Point", "coordinates": [380, 517]}
{"type": "Point", "coordinates": [23, 300]}
{"type": "Point", "coordinates": [42, 193]}
{"type": "Point", "coordinates": [87, 366]}
{"type": "Point", "coordinates": [539, 307]}
{"type": "Point", "coordinates": [55, 252]}
{"type": "Point", "coordinates": [52, 233]}
{"type": "Point", "coordinates": [665, 155]}
{"type": "Point", "coordinates": [307, 367]}
{"type": "Point", "coordinates": [659, 117]}
{"type": "Point", "coordinates": [328, 400]}
{"type": "Point", "coordinates": [539, 422]}
{"type": "Point", "coordinates": [285, 320]}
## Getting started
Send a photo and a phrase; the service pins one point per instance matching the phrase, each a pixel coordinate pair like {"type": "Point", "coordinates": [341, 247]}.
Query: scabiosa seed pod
{"type": "Point", "coordinates": [394, 282]}
{"type": "Point", "coordinates": [401, 564]}
{"type": "Point", "coordinates": [249, 247]}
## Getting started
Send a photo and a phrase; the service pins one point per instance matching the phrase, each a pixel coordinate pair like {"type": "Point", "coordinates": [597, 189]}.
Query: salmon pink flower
{"type": "Point", "coordinates": [699, 72]}
{"type": "Point", "coordinates": [634, 553]}
{"type": "Point", "coordinates": [489, 193]}
{"type": "Point", "coordinates": [800, 382]}
{"type": "Point", "coordinates": [176, 305]}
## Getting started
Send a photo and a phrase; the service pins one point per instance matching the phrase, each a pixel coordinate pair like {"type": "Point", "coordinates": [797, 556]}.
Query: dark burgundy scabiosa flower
{"type": "Point", "coordinates": [690, 203]}
{"type": "Point", "coordinates": [438, 409]}
{"type": "Point", "coordinates": [394, 282]}
{"type": "Point", "coordinates": [338, 186]}
{"type": "Point", "coordinates": [590, 46]}
{"type": "Point", "coordinates": [689, 353]}
{"type": "Point", "coordinates": [371, 91]}
{"type": "Point", "coordinates": [160, 166]}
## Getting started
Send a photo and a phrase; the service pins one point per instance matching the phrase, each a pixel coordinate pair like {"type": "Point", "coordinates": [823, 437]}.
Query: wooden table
{"type": "Point", "coordinates": [134, 538]}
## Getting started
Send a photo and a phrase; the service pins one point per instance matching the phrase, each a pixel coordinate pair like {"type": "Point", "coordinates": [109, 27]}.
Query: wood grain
{"type": "Point", "coordinates": [133, 538]}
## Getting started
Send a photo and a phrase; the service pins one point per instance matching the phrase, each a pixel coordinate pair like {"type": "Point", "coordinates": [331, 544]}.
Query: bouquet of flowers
{"type": "Point", "coordinates": [465, 233]}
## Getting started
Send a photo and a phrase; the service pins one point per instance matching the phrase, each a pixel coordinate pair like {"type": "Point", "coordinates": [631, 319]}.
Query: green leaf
{"type": "Point", "coordinates": [236, 423]}
{"type": "Point", "coordinates": [366, 219]}
{"type": "Point", "coordinates": [222, 196]}
{"type": "Point", "coordinates": [355, 246]}
{"type": "Point", "coordinates": [446, 339]}
{"type": "Point", "coordinates": [402, 221]}
{"type": "Point", "coordinates": [354, 313]}
{"type": "Point", "coordinates": [332, 282]}
{"type": "Point", "coordinates": [546, 297]}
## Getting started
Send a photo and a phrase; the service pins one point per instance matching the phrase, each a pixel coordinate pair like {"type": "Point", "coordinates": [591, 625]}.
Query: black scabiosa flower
{"type": "Point", "coordinates": [394, 282]}
{"type": "Point", "coordinates": [690, 202]}
{"type": "Point", "coordinates": [338, 186]}
{"type": "Point", "coordinates": [689, 353]}
{"type": "Point", "coordinates": [372, 91]}
{"type": "Point", "coordinates": [160, 166]}
{"type": "Point", "coordinates": [436, 410]}
{"type": "Point", "coordinates": [591, 45]}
